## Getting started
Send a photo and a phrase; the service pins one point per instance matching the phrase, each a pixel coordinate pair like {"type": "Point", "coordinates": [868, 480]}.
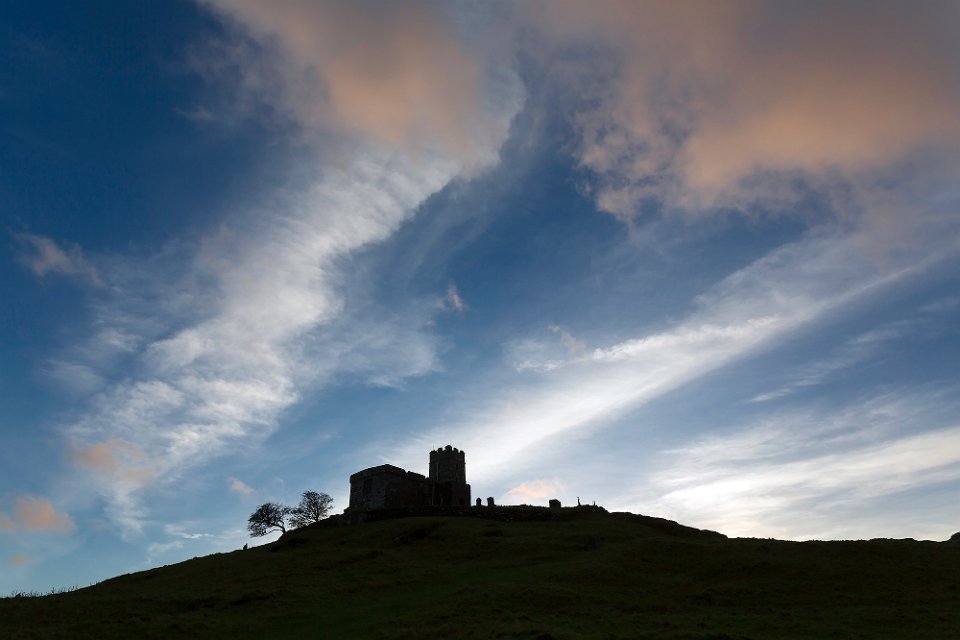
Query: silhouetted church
{"type": "Point", "coordinates": [387, 486]}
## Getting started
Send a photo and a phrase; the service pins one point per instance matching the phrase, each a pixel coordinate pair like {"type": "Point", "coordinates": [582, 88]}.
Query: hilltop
{"type": "Point", "coordinates": [520, 573]}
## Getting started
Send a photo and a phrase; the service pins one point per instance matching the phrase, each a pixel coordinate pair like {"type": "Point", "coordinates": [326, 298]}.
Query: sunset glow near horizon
{"type": "Point", "coordinates": [694, 260]}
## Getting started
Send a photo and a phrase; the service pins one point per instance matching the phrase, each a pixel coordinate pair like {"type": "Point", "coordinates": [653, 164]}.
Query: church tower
{"type": "Point", "coordinates": [448, 465]}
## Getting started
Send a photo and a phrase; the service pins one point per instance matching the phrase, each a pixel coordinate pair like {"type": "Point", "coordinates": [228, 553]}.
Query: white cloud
{"type": "Point", "coordinates": [947, 304]}
{"type": "Point", "coordinates": [225, 335]}
{"type": "Point", "coordinates": [76, 378]}
{"type": "Point", "coordinates": [860, 349]}
{"type": "Point", "coordinates": [543, 353]}
{"type": "Point", "coordinates": [218, 338]}
{"type": "Point", "coordinates": [530, 354]}
{"type": "Point", "coordinates": [571, 344]}
{"type": "Point", "coordinates": [271, 301]}
{"type": "Point", "coordinates": [240, 487]}
{"type": "Point", "coordinates": [155, 549]}
{"type": "Point", "coordinates": [179, 531]}
{"type": "Point", "coordinates": [42, 255]}
{"type": "Point", "coordinates": [850, 354]}
{"type": "Point", "coordinates": [808, 474]}
{"type": "Point", "coordinates": [453, 301]}
{"type": "Point", "coordinates": [197, 114]}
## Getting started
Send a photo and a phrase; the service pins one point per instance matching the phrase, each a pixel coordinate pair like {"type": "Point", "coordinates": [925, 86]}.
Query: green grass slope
{"type": "Point", "coordinates": [587, 575]}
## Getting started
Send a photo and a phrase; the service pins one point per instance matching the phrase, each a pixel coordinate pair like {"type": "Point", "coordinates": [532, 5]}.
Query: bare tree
{"type": "Point", "coordinates": [268, 517]}
{"type": "Point", "coordinates": [313, 507]}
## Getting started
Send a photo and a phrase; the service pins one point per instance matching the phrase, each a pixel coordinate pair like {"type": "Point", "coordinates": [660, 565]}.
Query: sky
{"type": "Point", "coordinates": [694, 260]}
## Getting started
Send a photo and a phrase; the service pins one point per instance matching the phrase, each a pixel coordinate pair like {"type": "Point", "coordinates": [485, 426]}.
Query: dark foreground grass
{"type": "Point", "coordinates": [599, 576]}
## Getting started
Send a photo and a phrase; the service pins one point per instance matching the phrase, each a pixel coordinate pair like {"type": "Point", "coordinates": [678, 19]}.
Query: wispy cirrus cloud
{"type": "Point", "coordinates": [179, 530]}
{"type": "Point", "coordinates": [860, 349]}
{"type": "Point", "coordinates": [270, 301]}
{"type": "Point", "coordinates": [850, 354]}
{"type": "Point", "coordinates": [74, 377]}
{"type": "Point", "coordinates": [453, 300]}
{"type": "Point", "coordinates": [226, 333]}
{"type": "Point", "coordinates": [156, 549]}
{"type": "Point", "coordinates": [43, 256]}
{"type": "Point", "coordinates": [752, 309]}
{"type": "Point", "coordinates": [543, 352]}
{"type": "Point", "coordinates": [180, 538]}
{"type": "Point", "coordinates": [570, 343]}
{"type": "Point", "coordinates": [826, 464]}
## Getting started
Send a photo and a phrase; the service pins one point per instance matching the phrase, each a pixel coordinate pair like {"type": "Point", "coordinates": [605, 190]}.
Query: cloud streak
{"type": "Point", "coordinates": [850, 354]}
{"type": "Point", "coordinates": [221, 336]}
{"type": "Point", "coordinates": [271, 299]}
{"type": "Point", "coordinates": [753, 481]}
{"type": "Point", "coordinates": [752, 309]}
{"type": "Point", "coordinates": [453, 300]}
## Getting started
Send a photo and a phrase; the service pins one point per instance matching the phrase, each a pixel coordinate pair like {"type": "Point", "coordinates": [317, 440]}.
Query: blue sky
{"type": "Point", "coordinates": [696, 261]}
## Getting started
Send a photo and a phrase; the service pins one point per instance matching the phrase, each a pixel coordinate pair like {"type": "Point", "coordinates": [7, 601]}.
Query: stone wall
{"type": "Point", "coordinates": [388, 487]}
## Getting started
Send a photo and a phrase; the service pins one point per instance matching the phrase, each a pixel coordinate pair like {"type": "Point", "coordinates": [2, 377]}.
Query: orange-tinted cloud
{"type": "Point", "coordinates": [114, 457]}
{"type": "Point", "coordinates": [241, 487]}
{"type": "Point", "coordinates": [710, 95]}
{"type": "Point", "coordinates": [44, 256]}
{"type": "Point", "coordinates": [18, 560]}
{"type": "Point", "coordinates": [839, 90]}
{"type": "Point", "coordinates": [536, 490]}
{"type": "Point", "coordinates": [36, 514]}
{"type": "Point", "coordinates": [395, 72]}
{"type": "Point", "coordinates": [98, 457]}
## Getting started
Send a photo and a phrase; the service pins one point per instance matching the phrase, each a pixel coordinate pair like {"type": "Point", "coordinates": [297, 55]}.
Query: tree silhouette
{"type": "Point", "coordinates": [269, 516]}
{"type": "Point", "coordinates": [313, 507]}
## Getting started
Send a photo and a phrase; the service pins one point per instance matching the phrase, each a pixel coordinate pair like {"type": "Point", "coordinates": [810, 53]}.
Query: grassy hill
{"type": "Point", "coordinates": [581, 574]}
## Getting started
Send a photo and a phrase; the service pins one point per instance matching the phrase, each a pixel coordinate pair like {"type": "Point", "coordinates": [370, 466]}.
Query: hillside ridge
{"type": "Point", "coordinates": [567, 575]}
